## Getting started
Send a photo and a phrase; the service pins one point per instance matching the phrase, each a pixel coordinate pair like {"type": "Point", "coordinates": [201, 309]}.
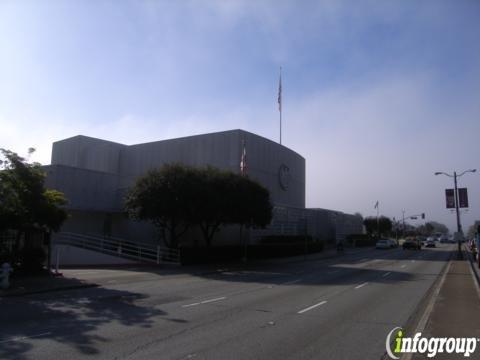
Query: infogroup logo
{"type": "Point", "coordinates": [430, 346]}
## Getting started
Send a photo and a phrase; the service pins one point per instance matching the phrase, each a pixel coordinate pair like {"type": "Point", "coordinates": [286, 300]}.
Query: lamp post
{"type": "Point", "coordinates": [459, 225]}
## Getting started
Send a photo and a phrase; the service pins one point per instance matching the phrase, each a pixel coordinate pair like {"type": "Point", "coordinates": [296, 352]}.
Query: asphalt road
{"type": "Point", "coordinates": [341, 308]}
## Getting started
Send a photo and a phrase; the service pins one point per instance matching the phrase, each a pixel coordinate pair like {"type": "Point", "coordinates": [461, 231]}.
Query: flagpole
{"type": "Point", "coordinates": [280, 102]}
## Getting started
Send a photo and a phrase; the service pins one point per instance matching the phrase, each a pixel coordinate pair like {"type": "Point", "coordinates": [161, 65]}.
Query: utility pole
{"type": "Point", "coordinates": [459, 225]}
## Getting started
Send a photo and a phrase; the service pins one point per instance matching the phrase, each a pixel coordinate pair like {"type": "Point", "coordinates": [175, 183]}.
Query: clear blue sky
{"type": "Point", "coordinates": [378, 95]}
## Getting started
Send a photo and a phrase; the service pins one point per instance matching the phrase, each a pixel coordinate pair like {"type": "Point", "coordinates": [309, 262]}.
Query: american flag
{"type": "Point", "coordinates": [243, 160]}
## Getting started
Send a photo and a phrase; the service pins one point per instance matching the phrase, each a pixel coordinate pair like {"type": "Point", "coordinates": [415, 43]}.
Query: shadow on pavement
{"type": "Point", "coordinates": [341, 270]}
{"type": "Point", "coordinates": [70, 319]}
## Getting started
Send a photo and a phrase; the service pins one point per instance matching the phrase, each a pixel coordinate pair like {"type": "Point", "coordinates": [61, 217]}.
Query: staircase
{"type": "Point", "coordinates": [142, 252]}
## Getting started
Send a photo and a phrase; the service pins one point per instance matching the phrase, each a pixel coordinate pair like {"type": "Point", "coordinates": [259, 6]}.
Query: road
{"type": "Point", "coordinates": [339, 308]}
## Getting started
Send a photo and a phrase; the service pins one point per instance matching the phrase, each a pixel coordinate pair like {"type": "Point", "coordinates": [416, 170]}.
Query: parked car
{"type": "Point", "coordinates": [385, 244]}
{"type": "Point", "coordinates": [430, 243]}
{"type": "Point", "coordinates": [444, 239]}
{"type": "Point", "coordinates": [412, 243]}
{"type": "Point", "coordinates": [422, 240]}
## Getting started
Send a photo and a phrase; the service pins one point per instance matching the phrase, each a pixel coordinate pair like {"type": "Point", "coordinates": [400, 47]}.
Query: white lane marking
{"type": "Point", "coordinates": [212, 300]}
{"type": "Point", "coordinates": [386, 274]}
{"type": "Point", "coordinates": [292, 282]}
{"type": "Point", "coordinates": [334, 271]}
{"type": "Point", "coordinates": [312, 307]}
{"type": "Point", "coordinates": [403, 266]}
{"type": "Point", "coordinates": [204, 302]}
{"type": "Point", "coordinates": [20, 338]}
{"type": "Point", "coordinates": [360, 286]}
{"type": "Point", "coordinates": [188, 305]}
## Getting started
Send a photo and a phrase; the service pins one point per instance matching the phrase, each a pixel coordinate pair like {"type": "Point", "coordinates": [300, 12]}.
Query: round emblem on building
{"type": "Point", "coordinates": [284, 176]}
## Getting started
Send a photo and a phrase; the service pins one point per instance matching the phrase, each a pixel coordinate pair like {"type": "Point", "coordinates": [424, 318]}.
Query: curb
{"type": "Point", "coordinates": [25, 293]}
{"type": "Point", "coordinates": [474, 269]}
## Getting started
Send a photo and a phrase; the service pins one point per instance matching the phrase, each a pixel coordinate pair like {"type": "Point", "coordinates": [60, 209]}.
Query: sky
{"type": "Point", "coordinates": [376, 95]}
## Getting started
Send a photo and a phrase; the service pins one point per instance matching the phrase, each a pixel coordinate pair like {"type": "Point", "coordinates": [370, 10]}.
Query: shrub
{"type": "Point", "coordinates": [32, 260]}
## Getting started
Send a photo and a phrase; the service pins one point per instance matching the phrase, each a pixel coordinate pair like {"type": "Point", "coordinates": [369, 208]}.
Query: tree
{"type": "Point", "coordinates": [25, 203]}
{"type": "Point", "coordinates": [472, 230]}
{"type": "Point", "coordinates": [177, 197]}
{"type": "Point", "coordinates": [384, 225]}
{"type": "Point", "coordinates": [437, 227]}
{"type": "Point", "coordinates": [26, 206]}
{"type": "Point", "coordinates": [162, 197]}
{"type": "Point", "coordinates": [226, 198]}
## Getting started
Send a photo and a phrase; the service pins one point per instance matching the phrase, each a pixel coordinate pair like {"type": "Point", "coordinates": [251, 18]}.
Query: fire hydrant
{"type": "Point", "coordinates": [5, 275]}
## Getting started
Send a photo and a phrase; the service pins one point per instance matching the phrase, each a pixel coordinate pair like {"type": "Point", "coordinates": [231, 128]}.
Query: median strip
{"type": "Point", "coordinates": [311, 307]}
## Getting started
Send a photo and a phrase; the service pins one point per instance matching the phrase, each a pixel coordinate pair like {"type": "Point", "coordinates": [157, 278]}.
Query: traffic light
{"type": "Point", "coordinates": [423, 215]}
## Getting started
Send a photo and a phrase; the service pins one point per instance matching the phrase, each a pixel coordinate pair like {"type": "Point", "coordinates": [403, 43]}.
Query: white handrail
{"type": "Point", "coordinates": [120, 247]}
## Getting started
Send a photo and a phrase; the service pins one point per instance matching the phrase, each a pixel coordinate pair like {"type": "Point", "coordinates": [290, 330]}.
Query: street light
{"type": "Point", "coordinates": [459, 225]}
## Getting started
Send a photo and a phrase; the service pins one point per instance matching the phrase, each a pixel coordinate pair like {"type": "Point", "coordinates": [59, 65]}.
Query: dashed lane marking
{"type": "Point", "coordinates": [360, 286]}
{"type": "Point", "coordinates": [312, 307]}
{"type": "Point", "coordinates": [292, 282]}
{"type": "Point", "coordinates": [204, 302]}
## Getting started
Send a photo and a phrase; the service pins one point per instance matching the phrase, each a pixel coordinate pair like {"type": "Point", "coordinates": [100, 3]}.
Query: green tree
{"type": "Point", "coordinates": [472, 230]}
{"type": "Point", "coordinates": [437, 227]}
{"type": "Point", "coordinates": [384, 225]}
{"type": "Point", "coordinates": [163, 197]}
{"type": "Point", "coordinates": [177, 197]}
{"type": "Point", "coordinates": [25, 203]}
{"type": "Point", "coordinates": [226, 198]}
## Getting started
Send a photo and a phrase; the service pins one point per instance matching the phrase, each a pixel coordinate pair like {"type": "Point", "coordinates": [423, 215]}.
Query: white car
{"type": "Point", "coordinates": [385, 244]}
{"type": "Point", "coordinates": [430, 243]}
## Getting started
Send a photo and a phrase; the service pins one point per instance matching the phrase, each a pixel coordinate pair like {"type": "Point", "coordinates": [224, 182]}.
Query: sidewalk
{"type": "Point", "coordinates": [456, 308]}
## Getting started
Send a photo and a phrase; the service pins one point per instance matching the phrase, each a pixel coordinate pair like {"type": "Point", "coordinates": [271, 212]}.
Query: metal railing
{"type": "Point", "coordinates": [139, 251]}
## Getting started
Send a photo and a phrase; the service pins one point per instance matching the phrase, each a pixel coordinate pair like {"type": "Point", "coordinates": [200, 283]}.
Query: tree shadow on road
{"type": "Point", "coordinates": [74, 318]}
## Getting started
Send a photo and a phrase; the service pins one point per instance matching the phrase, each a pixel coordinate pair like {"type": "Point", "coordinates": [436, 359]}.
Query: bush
{"type": "Point", "coordinates": [269, 247]}
{"type": "Point", "coordinates": [285, 239]}
{"type": "Point", "coordinates": [5, 255]}
{"type": "Point", "coordinates": [360, 240]}
{"type": "Point", "coordinates": [32, 260]}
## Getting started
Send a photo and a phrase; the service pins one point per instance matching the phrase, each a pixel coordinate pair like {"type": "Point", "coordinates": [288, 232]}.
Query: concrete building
{"type": "Point", "coordinates": [95, 175]}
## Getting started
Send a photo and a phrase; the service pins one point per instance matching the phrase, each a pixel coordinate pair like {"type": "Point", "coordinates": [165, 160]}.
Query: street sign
{"type": "Point", "coordinates": [450, 197]}
{"type": "Point", "coordinates": [462, 198]}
